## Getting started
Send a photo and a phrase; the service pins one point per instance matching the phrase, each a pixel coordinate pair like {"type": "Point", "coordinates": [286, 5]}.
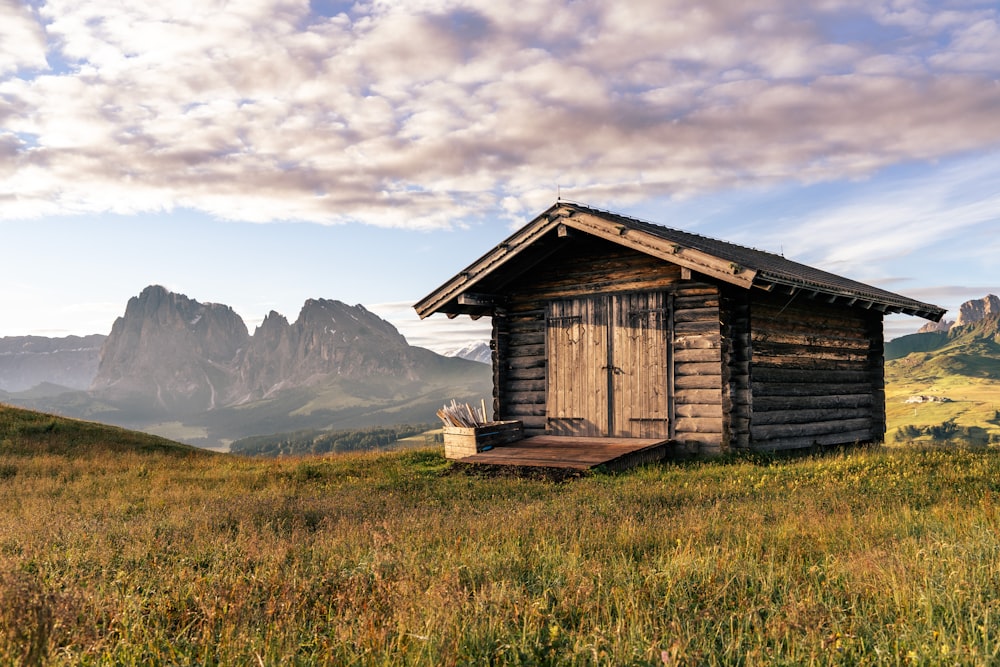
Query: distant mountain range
{"type": "Point", "coordinates": [969, 312]}
{"type": "Point", "coordinates": [969, 334]}
{"type": "Point", "coordinates": [475, 351]}
{"type": "Point", "coordinates": [193, 372]}
{"type": "Point", "coordinates": [28, 361]}
{"type": "Point", "coordinates": [45, 365]}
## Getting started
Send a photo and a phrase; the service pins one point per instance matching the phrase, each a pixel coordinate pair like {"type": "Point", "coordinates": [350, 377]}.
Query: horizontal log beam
{"type": "Point", "coordinates": [696, 354]}
{"type": "Point", "coordinates": [843, 438]}
{"type": "Point", "coordinates": [531, 361]}
{"type": "Point", "coordinates": [521, 387]}
{"type": "Point", "coordinates": [692, 341]}
{"type": "Point", "coordinates": [520, 410]}
{"type": "Point", "coordinates": [696, 382]}
{"type": "Point", "coordinates": [688, 425]}
{"type": "Point", "coordinates": [708, 396]}
{"type": "Point", "coordinates": [769, 350]}
{"type": "Point", "coordinates": [761, 389]}
{"type": "Point", "coordinates": [810, 364]}
{"type": "Point", "coordinates": [699, 410]}
{"type": "Point", "coordinates": [712, 368]}
{"type": "Point", "coordinates": [700, 314]}
{"type": "Point", "coordinates": [808, 376]}
{"type": "Point", "coordinates": [780, 403]}
{"type": "Point", "coordinates": [806, 416]}
{"type": "Point", "coordinates": [774, 431]}
{"type": "Point", "coordinates": [820, 339]}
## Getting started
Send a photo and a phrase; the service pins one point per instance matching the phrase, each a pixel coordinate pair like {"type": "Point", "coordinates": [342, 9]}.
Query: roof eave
{"type": "Point", "coordinates": [440, 298]}
{"type": "Point", "coordinates": [898, 304]}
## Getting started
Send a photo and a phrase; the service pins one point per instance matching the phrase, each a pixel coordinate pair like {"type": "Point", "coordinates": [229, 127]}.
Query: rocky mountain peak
{"type": "Point", "coordinates": [344, 323]}
{"type": "Point", "coordinates": [273, 322]}
{"type": "Point", "coordinates": [937, 327]}
{"type": "Point", "coordinates": [976, 310]}
{"type": "Point", "coordinates": [970, 312]}
{"type": "Point", "coordinates": [172, 347]}
{"type": "Point", "coordinates": [473, 351]}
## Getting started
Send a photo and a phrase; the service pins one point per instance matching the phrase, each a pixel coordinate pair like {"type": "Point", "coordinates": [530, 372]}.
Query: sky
{"type": "Point", "coordinates": [259, 153]}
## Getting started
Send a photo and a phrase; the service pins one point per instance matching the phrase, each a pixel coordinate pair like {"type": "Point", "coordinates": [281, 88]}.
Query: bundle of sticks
{"type": "Point", "coordinates": [463, 415]}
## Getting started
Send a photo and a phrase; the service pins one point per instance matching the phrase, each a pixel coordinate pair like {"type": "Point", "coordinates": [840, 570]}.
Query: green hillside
{"type": "Point", "coordinates": [958, 376]}
{"type": "Point", "coordinates": [897, 348]}
{"type": "Point", "coordinates": [26, 433]}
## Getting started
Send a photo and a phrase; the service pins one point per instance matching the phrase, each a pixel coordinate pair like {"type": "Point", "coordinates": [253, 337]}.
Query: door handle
{"type": "Point", "coordinates": [614, 369]}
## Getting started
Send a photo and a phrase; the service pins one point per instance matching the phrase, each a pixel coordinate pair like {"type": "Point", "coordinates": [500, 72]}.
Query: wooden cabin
{"type": "Point", "coordinates": [607, 326]}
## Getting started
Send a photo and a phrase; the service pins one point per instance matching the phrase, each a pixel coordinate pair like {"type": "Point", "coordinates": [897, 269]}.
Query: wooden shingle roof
{"type": "Point", "coordinates": [470, 292]}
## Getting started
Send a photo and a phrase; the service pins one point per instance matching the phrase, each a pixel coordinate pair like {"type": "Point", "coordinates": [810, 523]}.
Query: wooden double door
{"type": "Point", "coordinates": [609, 369]}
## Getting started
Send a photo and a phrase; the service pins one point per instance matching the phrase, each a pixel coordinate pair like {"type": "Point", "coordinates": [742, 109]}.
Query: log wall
{"type": "Point", "coordinates": [697, 376]}
{"type": "Point", "coordinates": [816, 376]}
{"type": "Point", "coordinates": [736, 353]}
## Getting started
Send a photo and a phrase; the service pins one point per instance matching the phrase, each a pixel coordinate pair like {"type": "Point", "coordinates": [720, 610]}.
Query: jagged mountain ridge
{"type": "Point", "coordinates": [474, 351]}
{"type": "Point", "coordinates": [976, 322]}
{"type": "Point", "coordinates": [969, 312]}
{"type": "Point", "coordinates": [170, 353]}
{"type": "Point", "coordinates": [971, 351]}
{"type": "Point", "coordinates": [173, 353]}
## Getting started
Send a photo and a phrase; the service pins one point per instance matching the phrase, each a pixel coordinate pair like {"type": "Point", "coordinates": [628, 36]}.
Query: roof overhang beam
{"type": "Point", "coordinates": [670, 251]}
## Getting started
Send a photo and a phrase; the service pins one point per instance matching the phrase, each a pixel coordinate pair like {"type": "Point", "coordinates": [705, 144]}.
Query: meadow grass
{"type": "Point", "coordinates": [884, 556]}
{"type": "Point", "coordinates": [973, 402]}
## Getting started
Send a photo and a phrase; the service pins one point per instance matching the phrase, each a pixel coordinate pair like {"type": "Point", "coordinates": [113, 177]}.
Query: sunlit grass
{"type": "Point", "coordinates": [973, 403]}
{"type": "Point", "coordinates": [888, 556]}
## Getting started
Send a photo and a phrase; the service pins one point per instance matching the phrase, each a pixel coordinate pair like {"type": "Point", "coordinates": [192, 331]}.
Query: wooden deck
{"type": "Point", "coordinates": [573, 453]}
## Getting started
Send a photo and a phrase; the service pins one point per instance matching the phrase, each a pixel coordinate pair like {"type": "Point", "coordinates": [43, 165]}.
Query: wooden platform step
{"type": "Point", "coordinates": [574, 453]}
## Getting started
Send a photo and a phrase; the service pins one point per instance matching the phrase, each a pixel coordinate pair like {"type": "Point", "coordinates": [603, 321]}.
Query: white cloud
{"type": "Point", "coordinates": [912, 235]}
{"type": "Point", "coordinates": [426, 112]}
{"type": "Point", "coordinates": [22, 39]}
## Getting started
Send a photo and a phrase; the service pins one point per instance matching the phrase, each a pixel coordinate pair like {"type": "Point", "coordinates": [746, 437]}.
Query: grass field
{"type": "Point", "coordinates": [134, 552]}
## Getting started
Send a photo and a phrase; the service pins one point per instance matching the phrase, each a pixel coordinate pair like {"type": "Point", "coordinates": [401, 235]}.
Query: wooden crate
{"type": "Point", "coordinates": [460, 442]}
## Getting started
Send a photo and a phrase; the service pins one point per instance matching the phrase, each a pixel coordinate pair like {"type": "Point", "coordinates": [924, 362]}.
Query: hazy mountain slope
{"type": "Point", "coordinates": [27, 361]}
{"type": "Point", "coordinates": [927, 341]}
{"type": "Point", "coordinates": [346, 403]}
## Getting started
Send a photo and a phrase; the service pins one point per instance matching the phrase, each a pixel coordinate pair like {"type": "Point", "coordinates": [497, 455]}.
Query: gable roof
{"type": "Point", "coordinates": [723, 261]}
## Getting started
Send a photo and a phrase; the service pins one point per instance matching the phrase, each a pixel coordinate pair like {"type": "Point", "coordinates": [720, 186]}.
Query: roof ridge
{"type": "Point", "coordinates": [713, 239]}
